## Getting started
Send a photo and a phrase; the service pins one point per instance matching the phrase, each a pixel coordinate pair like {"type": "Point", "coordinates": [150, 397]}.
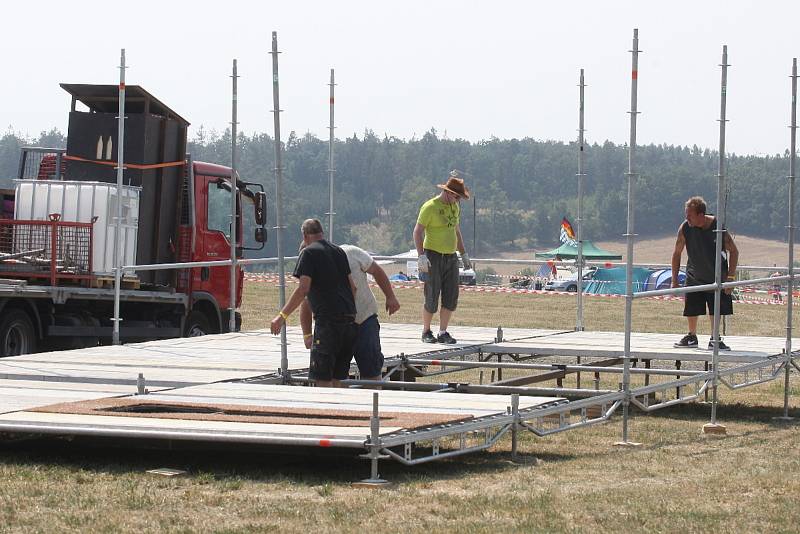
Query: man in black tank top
{"type": "Point", "coordinates": [697, 234]}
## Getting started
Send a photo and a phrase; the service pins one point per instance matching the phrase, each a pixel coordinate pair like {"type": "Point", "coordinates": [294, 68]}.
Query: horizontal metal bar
{"type": "Point", "coordinates": [449, 454]}
{"type": "Point", "coordinates": [106, 331]}
{"type": "Point", "coordinates": [192, 264]}
{"type": "Point", "coordinates": [182, 435]}
{"type": "Point", "coordinates": [550, 367]}
{"type": "Point", "coordinates": [675, 291]}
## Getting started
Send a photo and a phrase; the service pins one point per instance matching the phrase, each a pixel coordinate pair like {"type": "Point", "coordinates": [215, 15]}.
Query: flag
{"type": "Point", "coordinates": [567, 233]}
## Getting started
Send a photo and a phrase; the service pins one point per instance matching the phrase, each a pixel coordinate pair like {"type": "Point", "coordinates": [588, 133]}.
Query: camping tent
{"type": "Point", "coordinates": [568, 251]}
{"type": "Point", "coordinates": [662, 279]}
{"type": "Point", "coordinates": [612, 281]}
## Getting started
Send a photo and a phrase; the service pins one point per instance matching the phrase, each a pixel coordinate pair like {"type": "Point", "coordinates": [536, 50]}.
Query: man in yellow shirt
{"type": "Point", "coordinates": [437, 236]}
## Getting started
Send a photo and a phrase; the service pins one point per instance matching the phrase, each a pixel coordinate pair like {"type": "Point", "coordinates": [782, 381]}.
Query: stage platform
{"type": "Point", "coordinates": [215, 389]}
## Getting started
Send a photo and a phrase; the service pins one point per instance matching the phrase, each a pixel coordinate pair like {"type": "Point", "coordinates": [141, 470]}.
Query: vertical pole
{"type": "Point", "coordinates": [474, 223]}
{"type": "Point", "coordinates": [117, 263]}
{"type": "Point", "coordinates": [279, 196]}
{"type": "Point", "coordinates": [626, 371]}
{"type": "Point", "coordinates": [792, 159]}
{"type": "Point", "coordinates": [374, 426]}
{"type": "Point", "coordinates": [720, 231]}
{"type": "Point", "coordinates": [374, 447]}
{"type": "Point", "coordinates": [234, 195]}
{"type": "Point", "coordinates": [579, 221]}
{"type": "Point", "coordinates": [331, 169]}
{"type": "Point", "coordinates": [515, 427]}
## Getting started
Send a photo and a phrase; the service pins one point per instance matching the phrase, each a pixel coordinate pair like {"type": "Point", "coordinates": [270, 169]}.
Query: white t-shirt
{"type": "Point", "coordinates": [360, 261]}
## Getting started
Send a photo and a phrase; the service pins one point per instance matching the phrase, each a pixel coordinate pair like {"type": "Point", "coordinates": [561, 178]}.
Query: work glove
{"type": "Point", "coordinates": [466, 261]}
{"type": "Point", "coordinates": [423, 263]}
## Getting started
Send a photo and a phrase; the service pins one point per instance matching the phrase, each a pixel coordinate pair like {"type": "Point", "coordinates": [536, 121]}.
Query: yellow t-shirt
{"type": "Point", "coordinates": [440, 221]}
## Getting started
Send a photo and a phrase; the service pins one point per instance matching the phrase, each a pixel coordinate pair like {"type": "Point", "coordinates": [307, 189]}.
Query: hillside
{"type": "Point", "coordinates": [752, 250]}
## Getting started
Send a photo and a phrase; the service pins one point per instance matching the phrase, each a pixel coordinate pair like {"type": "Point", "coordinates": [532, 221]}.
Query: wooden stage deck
{"type": "Point", "coordinates": [210, 372]}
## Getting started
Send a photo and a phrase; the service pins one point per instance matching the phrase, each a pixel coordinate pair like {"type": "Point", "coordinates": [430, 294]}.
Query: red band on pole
{"type": "Point", "coordinates": [635, 74]}
{"type": "Point", "coordinates": [122, 86]}
{"type": "Point", "coordinates": [331, 100]}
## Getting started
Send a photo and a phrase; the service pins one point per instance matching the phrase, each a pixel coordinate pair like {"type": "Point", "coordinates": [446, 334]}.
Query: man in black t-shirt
{"type": "Point", "coordinates": [698, 234]}
{"type": "Point", "coordinates": [324, 277]}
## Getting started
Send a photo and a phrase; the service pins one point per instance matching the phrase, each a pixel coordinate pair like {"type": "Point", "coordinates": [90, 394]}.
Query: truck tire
{"type": "Point", "coordinates": [197, 325]}
{"type": "Point", "coordinates": [17, 335]}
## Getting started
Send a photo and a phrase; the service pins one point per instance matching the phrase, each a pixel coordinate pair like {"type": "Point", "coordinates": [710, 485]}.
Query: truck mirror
{"type": "Point", "coordinates": [261, 209]}
{"type": "Point", "coordinates": [261, 235]}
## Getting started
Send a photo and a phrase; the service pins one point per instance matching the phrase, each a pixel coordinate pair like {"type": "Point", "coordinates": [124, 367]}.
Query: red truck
{"type": "Point", "coordinates": [56, 250]}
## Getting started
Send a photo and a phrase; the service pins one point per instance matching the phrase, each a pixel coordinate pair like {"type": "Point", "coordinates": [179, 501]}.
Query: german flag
{"type": "Point", "coordinates": [567, 233]}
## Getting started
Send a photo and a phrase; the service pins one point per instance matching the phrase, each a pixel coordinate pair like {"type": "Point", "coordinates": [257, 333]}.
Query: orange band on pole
{"type": "Point", "coordinates": [127, 165]}
{"type": "Point", "coordinates": [634, 74]}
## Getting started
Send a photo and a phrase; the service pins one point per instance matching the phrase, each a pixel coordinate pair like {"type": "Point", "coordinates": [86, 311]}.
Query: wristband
{"type": "Point", "coordinates": [283, 315]}
{"type": "Point", "coordinates": [306, 336]}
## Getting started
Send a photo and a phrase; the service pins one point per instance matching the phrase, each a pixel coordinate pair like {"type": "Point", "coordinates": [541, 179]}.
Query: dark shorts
{"type": "Point", "coordinates": [367, 348]}
{"type": "Point", "coordinates": [442, 279]}
{"type": "Point", "coordinates": [697, 303]}
{"type": "Point", "coordinates": [332, 348]}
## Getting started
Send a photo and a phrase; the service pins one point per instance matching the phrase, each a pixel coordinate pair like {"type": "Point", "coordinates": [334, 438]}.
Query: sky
{"type": "Point", "coordinates": [471, 70]}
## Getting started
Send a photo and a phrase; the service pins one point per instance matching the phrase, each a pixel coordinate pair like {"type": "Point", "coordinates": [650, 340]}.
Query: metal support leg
{"type": "Point", "coordinates": [375, 447]}
{"type": "Point", "coordinates": [515, 427]}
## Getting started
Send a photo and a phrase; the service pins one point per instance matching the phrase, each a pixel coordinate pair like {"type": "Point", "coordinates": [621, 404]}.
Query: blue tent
{"type": "Point", "coordinates": [662, 279]}
{"type": "Point", "coordinates": [612, 281]}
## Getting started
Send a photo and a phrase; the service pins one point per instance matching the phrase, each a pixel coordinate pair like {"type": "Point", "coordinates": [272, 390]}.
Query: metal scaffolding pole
{"type": "Point", "coordinates": [331, 169]}
{"type": "Point", "coordinates": [279, 226]}
{"type": "Point", "coordinates": [626, 374]}
{"type": "Point", "coordinates": [234, 191]}
{"type": "Point", "coordinates": [579, 220]}
{"type": "Point", "coordinates": [720, 231]}
{"type": "Point", "coordinates": [118, 222]}
{"type": "Point", "coordinates": [792, 159]}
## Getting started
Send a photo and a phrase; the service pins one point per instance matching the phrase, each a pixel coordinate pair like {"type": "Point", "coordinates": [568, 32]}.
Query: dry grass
{"type": "Point", "coordinates": [677, 481]}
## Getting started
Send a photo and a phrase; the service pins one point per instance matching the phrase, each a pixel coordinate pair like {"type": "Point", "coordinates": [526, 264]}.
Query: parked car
{"type": "Point", "coordinates": [570, 283]}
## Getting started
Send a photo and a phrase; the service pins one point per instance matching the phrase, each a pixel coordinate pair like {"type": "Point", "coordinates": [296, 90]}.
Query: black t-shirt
{"type": "Point", "coordinates": [327, 266]}
{"type": "Point", "coordinates": [701, 248]}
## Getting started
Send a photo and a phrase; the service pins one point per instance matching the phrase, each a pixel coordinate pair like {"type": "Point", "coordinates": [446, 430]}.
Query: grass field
{"type": "Point", "coordinates": [577, 481]}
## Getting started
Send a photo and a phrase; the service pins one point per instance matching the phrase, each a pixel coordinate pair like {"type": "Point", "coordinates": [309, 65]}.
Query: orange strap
{"type": "Point", "coordinates": [127, 165]}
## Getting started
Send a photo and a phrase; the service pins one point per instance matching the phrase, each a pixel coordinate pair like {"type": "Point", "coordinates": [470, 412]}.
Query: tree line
{"type": "Point", "coordinates": [522, 187]}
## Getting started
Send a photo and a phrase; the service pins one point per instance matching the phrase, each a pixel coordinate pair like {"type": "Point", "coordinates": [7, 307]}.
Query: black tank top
{"type": "Point", "coordinates": [701, 246]}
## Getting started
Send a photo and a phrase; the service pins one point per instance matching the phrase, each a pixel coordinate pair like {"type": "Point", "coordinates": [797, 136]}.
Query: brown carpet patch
{"type": "Point", "coordinates": [143, 407]}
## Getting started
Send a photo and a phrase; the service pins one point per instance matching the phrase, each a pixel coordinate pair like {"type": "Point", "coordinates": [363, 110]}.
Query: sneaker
{"type": "Point", "coordinates": [722, 345]}
{"type": "Point", "coordinates": [445, 338]}
{"type": "Point", "coordinates": [428, 337]}
{"type": "Point", "coordinates": [687, 341]}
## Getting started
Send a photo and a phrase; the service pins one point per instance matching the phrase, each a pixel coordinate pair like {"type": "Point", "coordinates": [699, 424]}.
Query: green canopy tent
{"type": "Point", "coordinates": [570, 252]}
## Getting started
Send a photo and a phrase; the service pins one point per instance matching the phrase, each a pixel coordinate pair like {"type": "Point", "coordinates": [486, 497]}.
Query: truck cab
{"type": "Point", "coordinates": [208, 239]}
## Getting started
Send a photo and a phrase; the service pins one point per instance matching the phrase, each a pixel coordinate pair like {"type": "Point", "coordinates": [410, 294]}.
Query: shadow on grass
{"type": "Point", "coordinates": [305, 466]}
{"type": "Point", "coordinates": [725, 412]}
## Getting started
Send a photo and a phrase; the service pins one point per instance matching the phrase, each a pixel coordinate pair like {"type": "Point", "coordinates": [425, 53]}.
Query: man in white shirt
{"type": "Point", "coordinates": [367, 349]}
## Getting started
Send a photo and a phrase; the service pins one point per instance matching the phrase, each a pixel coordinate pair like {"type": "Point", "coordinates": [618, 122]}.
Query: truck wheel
{"type": "Point", "coordinates": [197, 325]}
{"type": "Point", "coordinates": [17, 335]}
